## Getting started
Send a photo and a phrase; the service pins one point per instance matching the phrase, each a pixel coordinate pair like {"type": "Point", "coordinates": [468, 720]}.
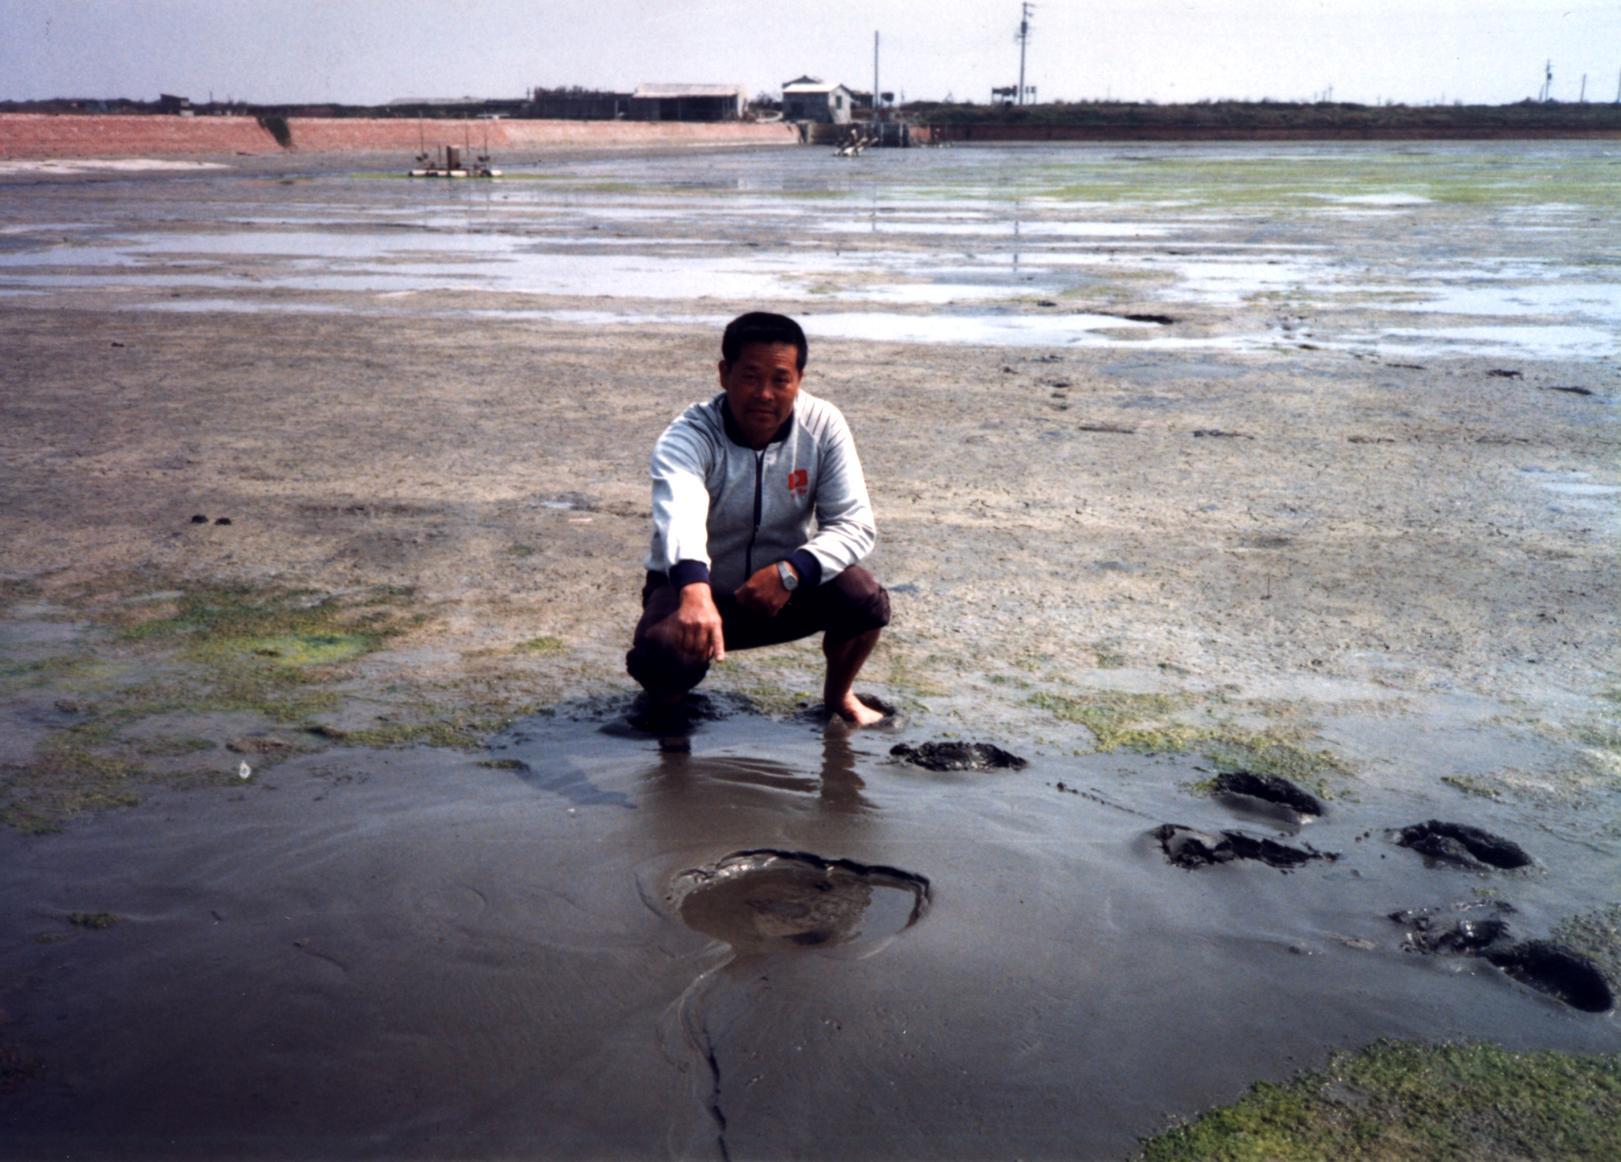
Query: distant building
{"type": "Point", "coordinates": [812, 99]}
{"type": "Point", "coordinates": [688, 102]}
{"type": "Point", "coordinates": [174, 106]}
{"type": "Point", "coordinates": [455, 107]}
{"type": "Point", "coordinates": [578, 104]}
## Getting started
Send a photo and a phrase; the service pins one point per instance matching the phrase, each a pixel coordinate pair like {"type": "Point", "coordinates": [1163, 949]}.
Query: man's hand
{"type": "Point", "coordinates": [698, 625]}
{"type": "Point", "coordinates": [764, 592]}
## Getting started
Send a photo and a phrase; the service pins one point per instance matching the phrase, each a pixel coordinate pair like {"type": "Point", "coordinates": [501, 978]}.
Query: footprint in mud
{"type": "Point", "coordinates": [1543, 965]}
{"type": "Point", "coordinates": [1188, 848]}
{"type": "Point", "coordinates": [958, 756]}
{"type": "Point", "coordinates": [1463, 846]}
{"type": "Point", "coordinates": [759, 901]}
{"type": "Point", "coordinates": [1559, 972]}
{"type": "Point", "coordinates": [1270, 796]}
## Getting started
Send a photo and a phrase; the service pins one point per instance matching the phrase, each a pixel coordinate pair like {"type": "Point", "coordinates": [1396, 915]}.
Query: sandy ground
{"type": "Point", "coordinates": [1404, 565]}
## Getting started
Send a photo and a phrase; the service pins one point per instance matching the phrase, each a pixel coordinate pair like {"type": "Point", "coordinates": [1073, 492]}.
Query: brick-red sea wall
{"type": "Point", "coordinates": [43, 135]}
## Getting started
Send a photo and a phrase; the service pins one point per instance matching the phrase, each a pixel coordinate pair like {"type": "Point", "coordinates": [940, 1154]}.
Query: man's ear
{"type": "Point", "coordinates": [724, 367]}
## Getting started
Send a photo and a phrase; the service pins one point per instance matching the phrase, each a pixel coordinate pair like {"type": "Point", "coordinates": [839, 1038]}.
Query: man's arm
{"type": "Point", "coordinates": [846, 531]}
{"type": "Point", "coordinates": [681, 538]}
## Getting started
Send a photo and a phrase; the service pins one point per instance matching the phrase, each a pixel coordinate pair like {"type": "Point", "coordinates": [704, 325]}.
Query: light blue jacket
{"type": "Point", "coordinates": [721, 510]}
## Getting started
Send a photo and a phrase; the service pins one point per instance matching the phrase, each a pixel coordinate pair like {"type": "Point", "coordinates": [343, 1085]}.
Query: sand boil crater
{"type": "Point", "coordinates": [764, 900]}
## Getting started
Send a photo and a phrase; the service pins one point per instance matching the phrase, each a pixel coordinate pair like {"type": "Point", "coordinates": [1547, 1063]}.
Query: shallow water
{"type": "Point", "coordinates": [366, 953]}
{"type": "Point", "coordinates": [1344, 234]}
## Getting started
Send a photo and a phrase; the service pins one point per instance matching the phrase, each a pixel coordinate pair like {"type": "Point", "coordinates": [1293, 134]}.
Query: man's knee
{"type": "Point", "coordinates": [655, 658]}
{"type": "Point", "coordinates": [660, 666]}
{"type": "Point", "coordinates": [862, 606]}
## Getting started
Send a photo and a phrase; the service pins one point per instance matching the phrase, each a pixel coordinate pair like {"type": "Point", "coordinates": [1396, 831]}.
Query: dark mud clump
{"type": "Point", "coordinates": [958, 756]}
{"type": "Point", "coordinates": [1186, 847]}
{"type": "Point", "coordinates": [1429, 932]}
{"type": "Point", "coordinates": [1463, 846]}
{"type": "Point", "coordinates": [1557, 971]}
{"type": "Point", "coordinates": [1270, 793]}
{"type": "Point", "coordinates": [762, 900]}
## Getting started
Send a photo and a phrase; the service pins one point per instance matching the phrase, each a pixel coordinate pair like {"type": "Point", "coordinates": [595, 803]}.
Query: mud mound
{"type": "Point", "coordinates": [1186, 847]}
{"type": "Point", "coordinates": [1557, 971]}
{"type": "Point", "coordinates": [958, 756]}
{"type": "Point", "coordinates": [1463, 846]}
{"type": "Point", "coordinates": [1250, 790]}
{"type": "Point", "coordinates": [1430, 933]}
{"type": "Point", "coordinates": [762, 900]}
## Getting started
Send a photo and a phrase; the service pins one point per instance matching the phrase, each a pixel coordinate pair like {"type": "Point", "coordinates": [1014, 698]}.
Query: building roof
{"type": "Point", "coordinates": [811, 85]}
{"type": "Point", "coordinates": [689, 91]}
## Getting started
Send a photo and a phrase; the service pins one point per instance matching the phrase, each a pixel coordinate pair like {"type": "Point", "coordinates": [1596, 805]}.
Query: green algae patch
{"type": "Point", "coordinates": [72, 773]}
{"type": "Point", "coordinates": [1145, 724]}
{"type": "Point", "coordinates": [1470, 785]}
{"type": "Point", "coordinates": [95, 921]}
{"type": "Point", "coordinates": [1121, 720]}
{"type": "Point", "coordinates": [1395, 1101]}
{"type": "Point", "coordinates": [543, 645]}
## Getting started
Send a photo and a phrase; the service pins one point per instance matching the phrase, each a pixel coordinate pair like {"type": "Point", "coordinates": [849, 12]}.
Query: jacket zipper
{"type": "Point", "coordinates": [748, 554]}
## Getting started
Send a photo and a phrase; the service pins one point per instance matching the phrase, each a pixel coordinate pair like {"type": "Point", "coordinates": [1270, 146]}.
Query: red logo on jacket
{"type": "Point", "coordinates": [799, 482]}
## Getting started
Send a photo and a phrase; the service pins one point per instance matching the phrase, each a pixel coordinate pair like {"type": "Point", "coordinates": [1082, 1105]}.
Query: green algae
{"type": "Point", "coordinates": [1399, 1101]}
{"type": "Point", "coordinates": [543, 645]}
{"type": "Point", "coordinates": [1470, 785]}
{"type": "Point", "coordinates": [95, 921]}
{"type": "Point", "coordinates": [1144, 723]}
{"type": "Point", "coordinates": [241, 649]}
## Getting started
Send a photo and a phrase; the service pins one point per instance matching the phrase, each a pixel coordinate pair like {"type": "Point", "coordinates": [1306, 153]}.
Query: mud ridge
{"type": "Point", "coordinates": [1463, 846]}
{"type": "Point", "coordinates": [958, 756]}
{"type": "Point", "coordinates": [1187, 848]}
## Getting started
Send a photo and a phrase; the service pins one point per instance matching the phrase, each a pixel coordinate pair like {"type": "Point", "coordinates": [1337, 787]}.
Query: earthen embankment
{"type": "Point", "coordinates": [44, 135]}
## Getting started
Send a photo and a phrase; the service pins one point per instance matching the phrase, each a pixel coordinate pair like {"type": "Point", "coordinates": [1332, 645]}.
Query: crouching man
{"type": "Point", "coordinates": [737, 484]}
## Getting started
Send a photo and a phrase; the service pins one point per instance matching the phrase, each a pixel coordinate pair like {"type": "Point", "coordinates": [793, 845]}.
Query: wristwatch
{"type": "Point", "coordinates": [790, 581]}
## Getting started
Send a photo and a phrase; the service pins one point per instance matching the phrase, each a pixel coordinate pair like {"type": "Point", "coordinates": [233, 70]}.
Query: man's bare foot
{"type": "Point", "coordinates": [856, 712]}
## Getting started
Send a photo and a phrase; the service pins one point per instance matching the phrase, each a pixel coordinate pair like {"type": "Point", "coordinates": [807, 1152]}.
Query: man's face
{"type": "Point", "coordinates": [761, 386]}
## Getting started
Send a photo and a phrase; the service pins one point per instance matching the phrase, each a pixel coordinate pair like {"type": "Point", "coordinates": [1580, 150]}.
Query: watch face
{"type": "Point", "coordinates": [789, 581]}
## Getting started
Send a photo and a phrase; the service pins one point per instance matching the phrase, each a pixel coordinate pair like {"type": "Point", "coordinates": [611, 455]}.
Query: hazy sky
{"type": "Point", "coordinates": [369, 51]}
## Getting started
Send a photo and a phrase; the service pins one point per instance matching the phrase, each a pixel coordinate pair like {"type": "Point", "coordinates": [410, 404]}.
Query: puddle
{"type": "Point", "coordinates": [758, 901]}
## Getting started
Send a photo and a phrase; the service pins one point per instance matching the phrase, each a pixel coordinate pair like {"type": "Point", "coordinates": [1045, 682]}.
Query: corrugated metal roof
{"type": "Point", "coordinates": [689, 91]}
{"type": "Point", "coordinates": [810, 87]}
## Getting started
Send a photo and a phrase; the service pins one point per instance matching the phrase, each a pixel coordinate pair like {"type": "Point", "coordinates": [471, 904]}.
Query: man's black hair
{"type": "Point", "coordinates": [762, 327]}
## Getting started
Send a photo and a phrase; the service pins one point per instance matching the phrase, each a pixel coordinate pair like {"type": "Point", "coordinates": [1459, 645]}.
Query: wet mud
{"type": "Point", "coordinates": [1188, 848]}
{"type": "Point", "coordinates": [1481, 929]}
{"type": "Point", "coordinates": [958, 756]}
{"type": "Point", "coordinates": [759, 900]}
{"type": "Point", "coordinates": [1435, 930]}
{"type": "Point", "coordinates": [1565, 975]}
{"type": "Point", "coordinates": [1265, 794]}
{"type": "Point", "coordinates": [1465, 846]}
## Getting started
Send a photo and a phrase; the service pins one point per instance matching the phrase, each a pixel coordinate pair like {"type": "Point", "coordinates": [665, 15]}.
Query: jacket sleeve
{"type": "Point", "coordinates": [680, 498]}
{"type": "Point", "coordinates": [845, 529]}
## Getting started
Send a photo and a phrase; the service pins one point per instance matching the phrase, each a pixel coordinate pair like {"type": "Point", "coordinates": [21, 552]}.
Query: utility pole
{"type": "Point", "coordinates": [1547, 83]}
{"type": "Point", "coordinates": [877, 101]}
{"type": "Point", "coordinates": [1582, 100]}
{"type": "Point", "coordinates": [1024, 40]}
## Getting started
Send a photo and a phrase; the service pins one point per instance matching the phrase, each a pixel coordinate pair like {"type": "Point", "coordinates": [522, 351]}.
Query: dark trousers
{"type": "Point", "coordinates": [844, 608]}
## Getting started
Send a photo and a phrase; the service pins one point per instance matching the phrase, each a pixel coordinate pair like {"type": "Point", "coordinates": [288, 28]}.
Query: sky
{"type": "Point", "coordinates": [372, 51]}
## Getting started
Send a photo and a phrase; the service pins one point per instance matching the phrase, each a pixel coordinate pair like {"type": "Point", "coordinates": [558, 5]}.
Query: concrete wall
{"type": "Point", "coordinates": [44, 135]}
